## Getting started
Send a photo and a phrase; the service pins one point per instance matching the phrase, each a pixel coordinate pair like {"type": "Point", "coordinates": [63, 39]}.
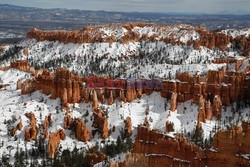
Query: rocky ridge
{"type": "Point", "coordinates": [154, 148]}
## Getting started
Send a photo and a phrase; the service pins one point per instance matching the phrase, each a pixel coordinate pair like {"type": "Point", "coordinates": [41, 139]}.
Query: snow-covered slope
{"type": "Point", "coordinates": [236, 33]}
{"type": "Point", "coordinates": [13, 106]}
{"type": "Point", "coordinates": [138, 57]}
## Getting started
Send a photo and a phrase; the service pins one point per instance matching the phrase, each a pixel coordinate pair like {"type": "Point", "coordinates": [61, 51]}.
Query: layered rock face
{"type": "Point", "coordinates": [217, 88]}
{"type": "Point", "coordinates": [232, 145]}
{"type": "Point", "coordinates": [27, 87]}
{"type": "Point", "coordinates": [66, 86]}
{"type": "Point", "coordinates": [21, 65]}
{"type": "Point", "coordinates": [228, 61]}
{"type": "Point", "coordinates": [129, 33]}
{"type": "Point", "coordinates": [152, 148]}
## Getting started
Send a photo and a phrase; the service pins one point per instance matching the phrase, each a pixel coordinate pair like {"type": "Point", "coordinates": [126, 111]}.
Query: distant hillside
{"type": "Point", "coordinates": [18, 20]}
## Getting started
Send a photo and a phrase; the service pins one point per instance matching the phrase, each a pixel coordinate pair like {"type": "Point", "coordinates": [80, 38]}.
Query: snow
{"type": "Point", "coordinates": [235, 33]}
{"type": "Point", "coordinates": [41, 53]}
{"type": "Point", "coordinates": [245, 156]}
{"type": "Point", "coordinates": [214, 150]}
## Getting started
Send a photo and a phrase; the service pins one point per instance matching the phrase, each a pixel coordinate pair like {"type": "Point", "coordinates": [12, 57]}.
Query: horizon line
{"type": "Point", "coordinates": [113, 11]}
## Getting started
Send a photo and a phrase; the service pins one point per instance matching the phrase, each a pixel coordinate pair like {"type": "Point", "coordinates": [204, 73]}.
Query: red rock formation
{"type": "Point", "coordinates": [93, 34]}
{"type": "Point", "coordinates": [155, 144]}
{"type": "Point", "coordinates": [20, 64]}
{"type": "Point", "coordinates": [231, 145]}
{"type": "Point", "coordinates": [65, 86]}
{"type": "Point", "coordinates": [54, 141]}
{"type": "Point", "coordinates": [46, 123]}
{"type": "Point", "coordinates": [67, 121]}
{"type": "Point", "coordinates": [31, 131]}
{"type": "Point", "coordinates": [152, 148]}
{"type": "Point", "coordinates": [173, 102]}
{"type": "Point", "coordinates": [225, 97]}
{"type": "Point", "coordinates": [19, 127]}
{"type": "Point", "coordinates": [28, 86]}
{"type": "Point", "coordinates": [101, 123]}
{"type": "Point", "coordinates": [111, 98]}
{"type": "Point", "coordinates": [229, 60]}
{"type": "Point", "coordinates": [94, 101]}
{"type": "Point", "coordinates": [128, 127]}
{"type": "Point", "coordinates": [208, 110]}
{"type": "Point", "coordinates": [188, 87]}
{"type": "Point", "coordinates": [169, 126]}
{"type": "Point", "coordinates": [19, 84]}
{"type": "Point", "coordinates": [45, 133]}
{"type": "Point", "coordinates": [1, 48]}
{"type": "Point", "coordinates": [202, 111]}
{"type": "Point", "coordinates": [81, 130]}
{"type": "Point", "coordinates": [146, 123]}
{"type": "Point", "coordinates": [95, 158]}
{"type": "Point", "coordinates": [68, 87]}
{"type": "Point", "coordinates": [217, 106]}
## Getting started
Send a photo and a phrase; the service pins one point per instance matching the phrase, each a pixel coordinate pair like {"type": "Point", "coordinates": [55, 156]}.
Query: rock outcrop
{"type": "Point", "coordinates": [100, 123]}
{"type": "Point", "coordinates": [54, 141]}
{"type": "Point", "coordinates": [128, 127]}
{"type": "Point", "coordinates": [152, 148]}
{"type": "Point", "coordinates": [94, 101]}
{"type": "Point", "coordinates": [95, 158]}
{"type": "Point", "coordinates": [19, 127]}
{"type": "Point", "coordinates": [217, 106]}
{"type": "Point", "coordinates": [169, 127]}
{"type": "Point", "coordinates": [20, 64]}
{"type": "Point", "coordinates": [232, 147]}
{"type": "Point", "coordinates": [31, 131]}
{"type": "Point", "coordinates": [92, 34]}
{"type": "Point", "coordinates": [81, 130]}
{"type": "Point", "coordinates": [217, 87]}
{"type": "Point", "coordinates": [47, 122]}
{"type": "Point", "coordinates": [173, 102]}
{"type": "Point", "coordinates": [28, 86]}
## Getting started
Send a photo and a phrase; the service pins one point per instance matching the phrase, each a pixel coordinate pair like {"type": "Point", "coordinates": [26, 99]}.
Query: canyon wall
{"type": "Point", "coordinates": [209, 92]}
{"type": "Point", "coordinates": [216, 89]}
{"type": "Point", "coordinates": [92, 34]}
{"type": "Point", "coordinates": [153, 148]}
